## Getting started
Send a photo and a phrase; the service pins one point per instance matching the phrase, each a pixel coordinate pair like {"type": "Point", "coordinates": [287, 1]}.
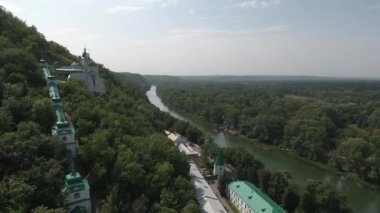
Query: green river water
{"type": "Point", "coordinates": [360, 197]}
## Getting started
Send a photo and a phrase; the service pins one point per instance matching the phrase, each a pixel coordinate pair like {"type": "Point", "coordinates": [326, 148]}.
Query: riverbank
{"type": "Point", "coordinates": [361, 198]}
{"type": "Point", "coordinates": [325, 167]}
{"type": "Point", "coordinates": [292, 153]}
{"type": "Point", "coordinates": [345, 176]}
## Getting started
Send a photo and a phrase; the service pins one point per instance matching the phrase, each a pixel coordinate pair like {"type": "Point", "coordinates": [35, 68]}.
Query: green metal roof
{"type": "Point", "coordinates": [62, 130]}
{"type": "Point", "coordinates": [45, 69]}
{"type": "Point", "coordinates": [74, 182]}
{"type": "Point", "coordinates": [60, 114]}
{"type": "Point", "coordinates": [62, 126]}
{"type": "Point", "coordinates": [254, 197]}
{"type": "Point", "coordinates": [70, 69]}
{"type": "Point", "coordinates": [53, 90]}
{"type": "Point", "coordinates": [219, 160]}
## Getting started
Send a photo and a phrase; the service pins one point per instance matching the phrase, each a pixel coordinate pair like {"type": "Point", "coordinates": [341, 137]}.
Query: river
{"type": "Point", "coordinates": [360, 198]}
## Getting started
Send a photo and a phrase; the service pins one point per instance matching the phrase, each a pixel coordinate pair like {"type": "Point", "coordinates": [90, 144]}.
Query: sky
{"type": "Point", "coordinates": [215, 37]}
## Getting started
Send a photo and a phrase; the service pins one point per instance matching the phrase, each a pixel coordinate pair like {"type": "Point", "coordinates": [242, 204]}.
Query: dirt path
{"type": "Point", "coordinates": [214, 187]}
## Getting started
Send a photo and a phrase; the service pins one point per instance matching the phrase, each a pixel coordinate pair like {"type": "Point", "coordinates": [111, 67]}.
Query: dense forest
{"type": "Point", "coordinates": [332, 122]}
{"type": "Point", "coordinates": [129, 163]}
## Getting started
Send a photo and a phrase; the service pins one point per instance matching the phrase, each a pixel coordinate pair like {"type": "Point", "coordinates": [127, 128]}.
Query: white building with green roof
{"type": "Point", "coordinates": [64, 131]}
{"type": "Point", "coordinates": [77, 193]}
{"type": "Point", "coordinates": [76, 189]}
{"type": "Point", "coordinates": [247, 198]}
{"type": "Point", "coordinates": [85, 71]}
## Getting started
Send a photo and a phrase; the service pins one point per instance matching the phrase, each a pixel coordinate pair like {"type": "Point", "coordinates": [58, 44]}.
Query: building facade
{"type": "Point", "coordinates": [85, 71]}
{"type": "Point", "coordinates": [247, 198]}
{"type": "Point", "coordinates": [77, 193]}
{"type": "Point", "coordinates": [62, 128]}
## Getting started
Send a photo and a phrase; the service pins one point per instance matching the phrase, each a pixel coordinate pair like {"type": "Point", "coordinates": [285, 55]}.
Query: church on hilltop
{"type": "Point", "coordinates": [85, 71]}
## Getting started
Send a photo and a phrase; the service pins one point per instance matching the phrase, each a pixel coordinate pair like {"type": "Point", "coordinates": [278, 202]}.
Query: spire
{"type": "Point", "coordinates": [219, 160]}
{"type": "Point", "coordinates": [84, 54]}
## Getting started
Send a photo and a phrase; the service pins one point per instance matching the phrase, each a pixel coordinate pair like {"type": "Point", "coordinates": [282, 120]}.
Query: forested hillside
{"type": "Point", "coordinates": [130, 165]}
{"type": "Point", "coordinates": [335, 123]}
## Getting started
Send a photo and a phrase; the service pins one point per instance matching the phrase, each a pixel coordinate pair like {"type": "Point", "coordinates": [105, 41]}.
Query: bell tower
{"type": "Point", "coordinates": [218, 166]}
{"type": "Point", "coordinates": [77, 193]}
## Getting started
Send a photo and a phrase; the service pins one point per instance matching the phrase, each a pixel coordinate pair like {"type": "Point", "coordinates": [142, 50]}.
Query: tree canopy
{"type": "Point", "coordinates": [131, 166]}
{"type": "Point", "coordinates": [331, 122]}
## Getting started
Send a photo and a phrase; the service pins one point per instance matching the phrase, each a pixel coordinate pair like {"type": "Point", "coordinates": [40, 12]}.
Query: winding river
{"type": "Point", "coordinates": [361, 198]}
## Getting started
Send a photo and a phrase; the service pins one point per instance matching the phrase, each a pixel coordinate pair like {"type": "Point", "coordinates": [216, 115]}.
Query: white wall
{"type": "Point", "coordinates": [69, 141]}
{"type": "Point", "coordinates": [218, 170]}
{"type": "Point", "coordinates": [79, 201]}
{"type": "Point", "coordinates": [238, 203]}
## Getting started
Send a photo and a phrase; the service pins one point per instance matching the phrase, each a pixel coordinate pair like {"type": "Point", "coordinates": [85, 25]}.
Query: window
{"type": "Point", "coordinates": [77, 195]}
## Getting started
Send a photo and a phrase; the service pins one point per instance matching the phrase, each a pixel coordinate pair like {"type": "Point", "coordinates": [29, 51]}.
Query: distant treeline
{"type": "Point", "coordinates": [248, 79]}
{"type": "Point", "coordinates": [335, 123]}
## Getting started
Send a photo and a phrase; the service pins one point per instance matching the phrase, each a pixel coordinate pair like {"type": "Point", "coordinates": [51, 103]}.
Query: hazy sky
{"type": "Point", "coordinates": [226, 37]}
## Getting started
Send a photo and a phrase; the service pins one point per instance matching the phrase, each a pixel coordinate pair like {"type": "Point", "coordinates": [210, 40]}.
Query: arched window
{"type": "Point", "coordinates": [77, 195]}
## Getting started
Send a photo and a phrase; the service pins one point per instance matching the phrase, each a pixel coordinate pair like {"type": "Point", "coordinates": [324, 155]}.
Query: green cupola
{"type": "Point", "coordinates": [219, 161]}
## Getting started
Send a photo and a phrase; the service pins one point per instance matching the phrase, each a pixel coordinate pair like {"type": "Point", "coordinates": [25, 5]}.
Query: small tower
{"type": "Point", "coordinates": [218, 166]}
{"type": "Point", "coordinates": [77, 193]}
{"type": "Point", "coordinates": [64, 130]}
